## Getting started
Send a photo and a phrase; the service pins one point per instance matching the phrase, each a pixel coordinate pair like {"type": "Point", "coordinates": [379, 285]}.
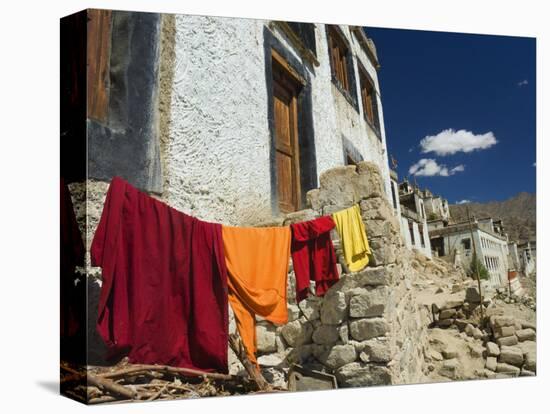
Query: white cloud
{"type": "Point", "coordinates": [449, 142]}
{"type": "Point", "coordinates": [428, 167]}
{"type": "Point", "coordinates": [463, 201]}
{"type": "Point", "coordinates": [458, 168]}
{"type": "Point", "coordinates": [523, 82]}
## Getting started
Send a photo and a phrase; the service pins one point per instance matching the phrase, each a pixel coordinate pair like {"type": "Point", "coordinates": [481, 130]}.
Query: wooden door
{"type": "Point", "coordinates": [285, 92]}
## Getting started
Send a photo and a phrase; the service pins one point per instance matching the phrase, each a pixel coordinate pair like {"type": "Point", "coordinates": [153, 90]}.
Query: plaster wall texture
{"type": "Point", "coordinates": [215, 147]}
{"type": "Point", "coordinates": [215, 139]}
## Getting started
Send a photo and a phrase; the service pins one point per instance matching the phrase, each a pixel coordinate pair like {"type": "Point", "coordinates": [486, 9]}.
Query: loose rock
{"type": "Point", "coordinates": [492, 349]}
{"type": "Point", "coordinates": [297, 333]}
{"type": "Point", "coordinates": [511, 355]}
{"type": "Point", "coordinates": [507, 341]}
{"type": "Point", "coordinates": [338, 356]}
{"type": "Point", "coordinates": [491, 363]}
{"type": "Point", "coordinates": [526, 334]}
{"type": "Point", "coordinates": [507, 369]}
{"type": "Point", "coordinates": [447, 313]}
{"type": "Point", "coordinates": [325, 334]}
{"type": "Point", "coordinates": [369, 303]}
{"type": "Point", "coordinates": [333, 310]}
{"type": "Point", "coordinates": [359, 374]}
{"type": "Point", "coordinates": [363, 329]}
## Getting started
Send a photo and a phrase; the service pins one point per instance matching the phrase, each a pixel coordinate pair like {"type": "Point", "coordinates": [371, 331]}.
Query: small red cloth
{"type": "Point", "coordinates": [313, 256]}
{"type": "Point", "coordinates": [164, 292]}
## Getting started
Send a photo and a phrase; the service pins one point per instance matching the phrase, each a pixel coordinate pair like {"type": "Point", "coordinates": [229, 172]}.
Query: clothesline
{"type": "Point", "coordinates": [168, 277]}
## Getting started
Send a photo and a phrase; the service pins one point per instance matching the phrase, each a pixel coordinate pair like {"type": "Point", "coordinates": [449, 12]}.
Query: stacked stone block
{"type": "Point", "coordinates": [367, 329]}
{"type": "Point", "coordinates": [514, 352]}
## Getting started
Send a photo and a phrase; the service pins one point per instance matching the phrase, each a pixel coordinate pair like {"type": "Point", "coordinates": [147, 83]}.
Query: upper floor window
{"type": "Point", "coordinates": [340, 61]}
{"type": "Point", "coordinates": [393, 195]}
{"type": "Point", "coordinates": [421, 232]}
{"type": "Point", "coordinates": [369, 100]}
{"type": "Point", "coordinates": [302, 37]}
{"type": "Point", "coordinates": [306, 33]}
{"type": "Point", "coordinates": [411, 232]}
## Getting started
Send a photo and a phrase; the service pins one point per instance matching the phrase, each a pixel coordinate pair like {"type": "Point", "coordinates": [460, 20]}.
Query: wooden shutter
{"type": "Point", "coordinates": [99, 44]}
{"type": "Point", "coordinates": [338, 58]}
{"type": "Point", "coordinates": [368, 97]}
{"type": "Point", "coordinates": [285, 105]}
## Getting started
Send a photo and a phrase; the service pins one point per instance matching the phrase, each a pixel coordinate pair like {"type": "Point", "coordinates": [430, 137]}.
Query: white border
{"type": "Point", "coordinates": [28, 209]}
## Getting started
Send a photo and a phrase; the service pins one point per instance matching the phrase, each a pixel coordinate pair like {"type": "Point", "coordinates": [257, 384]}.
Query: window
{"type": "Point", "coordinates": [368, 99]}
{"type": "Point", "coordinates": [421, 232]}
{"type": "Point", "coordinates": [393, 195]}
{"type": "Point", "coordinates": [466, 244]}
{"type": "Point", "coordinates": [411, 231]}
{"type": "Point", "coordinates": [306, 33]}
{"type": "Point", "coordinates": [340, 62]}
{"type": "Point", "coordinates": [286, 89]}
{"type": "Point", "coordinates": [302, 38]}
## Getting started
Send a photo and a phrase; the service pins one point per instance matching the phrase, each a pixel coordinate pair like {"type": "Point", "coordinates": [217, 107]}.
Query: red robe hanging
{"type": "Point", "coordinates": [313, 256]}
{"type": "Point", "coordinates": [164, 292]}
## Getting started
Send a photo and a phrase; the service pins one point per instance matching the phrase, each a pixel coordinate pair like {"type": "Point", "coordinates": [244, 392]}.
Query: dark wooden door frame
{"type": "Point", "coordinates": [286, 87]}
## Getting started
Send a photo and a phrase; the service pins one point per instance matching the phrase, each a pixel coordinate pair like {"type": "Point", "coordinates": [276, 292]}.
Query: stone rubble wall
{"type": "Point", "coordinates": [510, 342]}
{"type": "Point", "coordinates": [368, 329]}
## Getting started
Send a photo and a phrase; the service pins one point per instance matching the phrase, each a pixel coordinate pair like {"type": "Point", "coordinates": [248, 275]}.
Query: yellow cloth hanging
{"type": "Point", "coordinates": [353, 237]}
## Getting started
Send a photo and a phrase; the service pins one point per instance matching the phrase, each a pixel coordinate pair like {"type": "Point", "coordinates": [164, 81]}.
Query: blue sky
{"type": "Point", "coordinates": [459, 111]}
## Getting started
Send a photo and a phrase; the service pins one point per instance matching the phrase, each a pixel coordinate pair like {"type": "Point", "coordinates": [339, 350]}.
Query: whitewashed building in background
{"type": "Point", "coordinates": [437, 208]}
{"type": "Point", "coordinates": [456, 244]}
{"type": "Point", "coordinates": [527, 257]}
{"type": "Point", "coordinates": [414, 227]}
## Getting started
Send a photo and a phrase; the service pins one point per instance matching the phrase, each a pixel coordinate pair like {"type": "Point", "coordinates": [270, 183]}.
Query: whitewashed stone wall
{"type": "Point", "coordinates": [215, 148]}
{"type": "Point", "coordinates": [213, 117]}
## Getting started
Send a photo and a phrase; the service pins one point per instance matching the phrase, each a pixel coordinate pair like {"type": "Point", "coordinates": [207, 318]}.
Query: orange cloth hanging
{"type": "Point", "coordinates": [257, 264]}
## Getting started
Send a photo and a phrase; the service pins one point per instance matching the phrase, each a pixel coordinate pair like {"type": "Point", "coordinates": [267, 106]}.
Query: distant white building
{"type": "Point", "coordinates": [437, 208]}
{"type": "Point", "coordinates": [455, 240]}
{"type": "Point", "coordinates": [513, 256]}
{"type": "Point", "coordinates": [527, 253]}
{"type": "Point", "coordinates": [414, 227]}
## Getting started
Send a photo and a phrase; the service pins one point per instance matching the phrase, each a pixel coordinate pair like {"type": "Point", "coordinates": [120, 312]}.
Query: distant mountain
{"type": "Point", "coordinates": [519, 214]}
